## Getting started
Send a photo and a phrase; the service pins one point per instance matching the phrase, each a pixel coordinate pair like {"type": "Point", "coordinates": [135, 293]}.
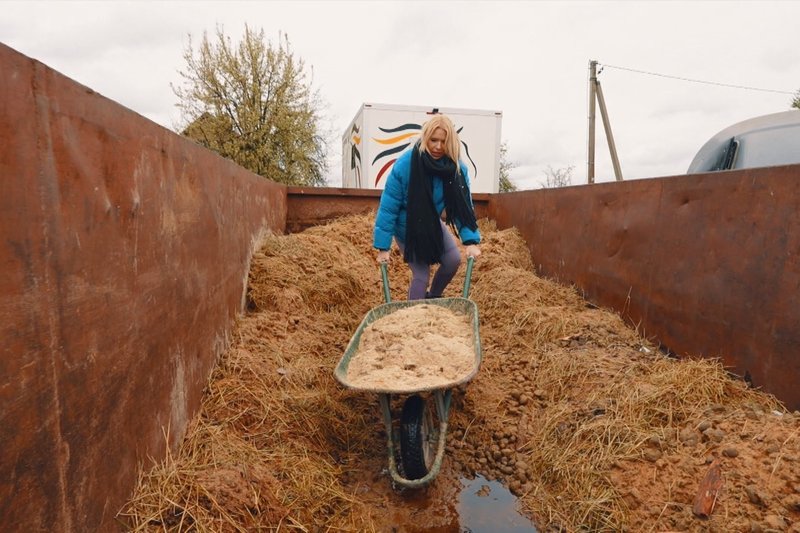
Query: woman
{"type": "Point", "coordinates": [423, 182]}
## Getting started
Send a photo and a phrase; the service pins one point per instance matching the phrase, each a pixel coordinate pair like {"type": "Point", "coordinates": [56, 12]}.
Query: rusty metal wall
{"type": "Point", "coordinates": [310, 206]}
{"type": "Point", "coordinates": [124, 251]}
{"type": "Point", "coordinates": [709, 264]}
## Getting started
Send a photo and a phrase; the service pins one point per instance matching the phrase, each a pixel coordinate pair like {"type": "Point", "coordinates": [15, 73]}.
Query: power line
{"type": "Point", "coordinates": [696, 81]}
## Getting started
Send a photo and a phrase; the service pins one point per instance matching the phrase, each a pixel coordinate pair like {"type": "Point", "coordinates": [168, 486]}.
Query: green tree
{"type": "Point", "coordinates": [796, 101]}
{"type": "Point", "coordinates": [561, 177]}
{"type": "Point", "coordinates": [253, 103]}
{"type": "Point", "coordinates": [506, 166]}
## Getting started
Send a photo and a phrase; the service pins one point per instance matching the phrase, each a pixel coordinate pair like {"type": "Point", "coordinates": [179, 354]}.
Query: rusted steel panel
{"type": "Point", "coordinates": [124, 251]}
{"type": "Point", "coordinates": [709, 264]}
{"type": "Point", "coordinates": [309, 206]}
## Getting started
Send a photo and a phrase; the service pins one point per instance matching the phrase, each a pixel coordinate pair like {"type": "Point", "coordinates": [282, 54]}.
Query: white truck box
{"type": "Point", "coordinates": [379, 133]}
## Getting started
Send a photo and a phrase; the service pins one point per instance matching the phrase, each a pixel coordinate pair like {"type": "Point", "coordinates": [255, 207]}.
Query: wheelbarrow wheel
{"type": "Point", "coordinates": [417, 442]}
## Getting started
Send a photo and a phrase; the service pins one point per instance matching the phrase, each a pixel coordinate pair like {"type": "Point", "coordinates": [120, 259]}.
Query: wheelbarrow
{"type": "Point", "coordinates": [420, 442]}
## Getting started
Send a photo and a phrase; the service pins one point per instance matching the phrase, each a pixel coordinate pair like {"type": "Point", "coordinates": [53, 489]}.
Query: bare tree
{"type": "Point", "coordinates": [561, 177]}
{"type": "Point", "coordinates": [506, 166]}
{"type": "Point", "coordinates": [253, 103]}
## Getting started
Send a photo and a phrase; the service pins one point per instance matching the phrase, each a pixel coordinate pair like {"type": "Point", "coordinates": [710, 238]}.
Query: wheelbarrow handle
{"type": "Point", "coordinates": [468, 276]}
{"type": "Point", "coordinates": [385, 277]}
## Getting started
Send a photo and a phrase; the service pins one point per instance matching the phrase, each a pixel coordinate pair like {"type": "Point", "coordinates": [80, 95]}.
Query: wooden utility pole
{"type": "Point", "coordinates": [592, 98]}
{"type": "Point", "coordinates": [609, 136]}
{"type": "Point", "coordinates": [596, 93]}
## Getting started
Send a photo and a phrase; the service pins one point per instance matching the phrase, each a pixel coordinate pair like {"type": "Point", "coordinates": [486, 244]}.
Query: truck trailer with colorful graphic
{"type": "Point", "coordinates": [379, 133]}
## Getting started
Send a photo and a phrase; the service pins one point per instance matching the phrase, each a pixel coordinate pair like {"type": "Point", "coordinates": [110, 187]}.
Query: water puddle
{"type": "Point", "coordinates": [487, 506]}
{"type": "Point", "coordinates": [451, 505]}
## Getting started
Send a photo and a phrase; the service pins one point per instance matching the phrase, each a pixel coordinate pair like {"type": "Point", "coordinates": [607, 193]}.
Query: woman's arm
{"type": "Point", "coordinates": [392, 200]}
{"type": "Point", "coordinates": [468, 237]}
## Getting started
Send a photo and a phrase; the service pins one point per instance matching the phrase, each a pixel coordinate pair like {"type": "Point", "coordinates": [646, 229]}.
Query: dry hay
{"type": "Point", "coordinates": [567, 403]}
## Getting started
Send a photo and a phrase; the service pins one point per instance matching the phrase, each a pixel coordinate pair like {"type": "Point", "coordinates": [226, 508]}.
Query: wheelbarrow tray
{"type": "Point", "coordinates": [462, 306]}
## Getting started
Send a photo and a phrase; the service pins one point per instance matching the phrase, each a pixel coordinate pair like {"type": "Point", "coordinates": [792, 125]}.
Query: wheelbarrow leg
{"type": "Point", "coordinates": [385, 400]}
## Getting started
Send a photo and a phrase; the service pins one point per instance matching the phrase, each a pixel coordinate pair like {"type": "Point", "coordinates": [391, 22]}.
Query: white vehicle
{"type": "Point", "coordinates": [763, 141]}
{"type": "Point", "coordinates": [379, 133]}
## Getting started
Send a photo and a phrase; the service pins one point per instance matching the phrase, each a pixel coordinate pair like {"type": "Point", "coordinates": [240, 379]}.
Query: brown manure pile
{"type": "Point", "coordinates": [583, 419]}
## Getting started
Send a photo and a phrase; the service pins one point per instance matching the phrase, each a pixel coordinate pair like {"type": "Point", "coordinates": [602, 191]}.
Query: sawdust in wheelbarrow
{"type": "Point", "coordinates": [420, 347]}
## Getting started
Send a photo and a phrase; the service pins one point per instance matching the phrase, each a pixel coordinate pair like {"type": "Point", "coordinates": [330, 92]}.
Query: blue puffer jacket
{"type": "Point", "coordinates": [391, 218]}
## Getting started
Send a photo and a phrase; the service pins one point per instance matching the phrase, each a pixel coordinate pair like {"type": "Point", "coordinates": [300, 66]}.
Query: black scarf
{"type": "Point", "coordinates": [424, 240]}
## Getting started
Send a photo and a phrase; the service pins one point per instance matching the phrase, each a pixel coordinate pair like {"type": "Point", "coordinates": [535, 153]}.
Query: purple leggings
{"type": "Point", "coordinates": [420, 272]}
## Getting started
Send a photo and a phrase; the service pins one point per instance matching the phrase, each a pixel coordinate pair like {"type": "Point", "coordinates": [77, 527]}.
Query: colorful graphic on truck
{"type": "Point", "coordinates": [399, 143]}
{"type": "Point", "coordinates": [410, 131]}
{"type": "Point", "coordinates": [355, 155]}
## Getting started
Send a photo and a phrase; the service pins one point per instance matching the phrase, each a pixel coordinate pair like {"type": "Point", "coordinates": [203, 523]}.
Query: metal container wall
{"type": "Point", "coordinates": [124, 251]}
{"type": "Point", "coordinates": [707, 264]}
{"type": "Point", "coordinates": [310, 206]}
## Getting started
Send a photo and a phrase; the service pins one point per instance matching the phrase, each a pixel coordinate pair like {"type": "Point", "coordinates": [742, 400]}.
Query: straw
{"type": "Point", "coordinates": [566, 403]}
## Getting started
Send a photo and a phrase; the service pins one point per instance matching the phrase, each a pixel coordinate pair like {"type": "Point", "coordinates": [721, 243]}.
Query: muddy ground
{"type": "Point", "coordinates": [590, 425]}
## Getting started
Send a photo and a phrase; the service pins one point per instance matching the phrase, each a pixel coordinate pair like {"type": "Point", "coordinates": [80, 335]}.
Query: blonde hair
{"type": "Point", "coordinates": [452, 144]}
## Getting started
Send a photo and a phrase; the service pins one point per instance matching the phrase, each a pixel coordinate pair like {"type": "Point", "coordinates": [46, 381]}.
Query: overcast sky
{"type": "Point", "coordinates": [527, 59]}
